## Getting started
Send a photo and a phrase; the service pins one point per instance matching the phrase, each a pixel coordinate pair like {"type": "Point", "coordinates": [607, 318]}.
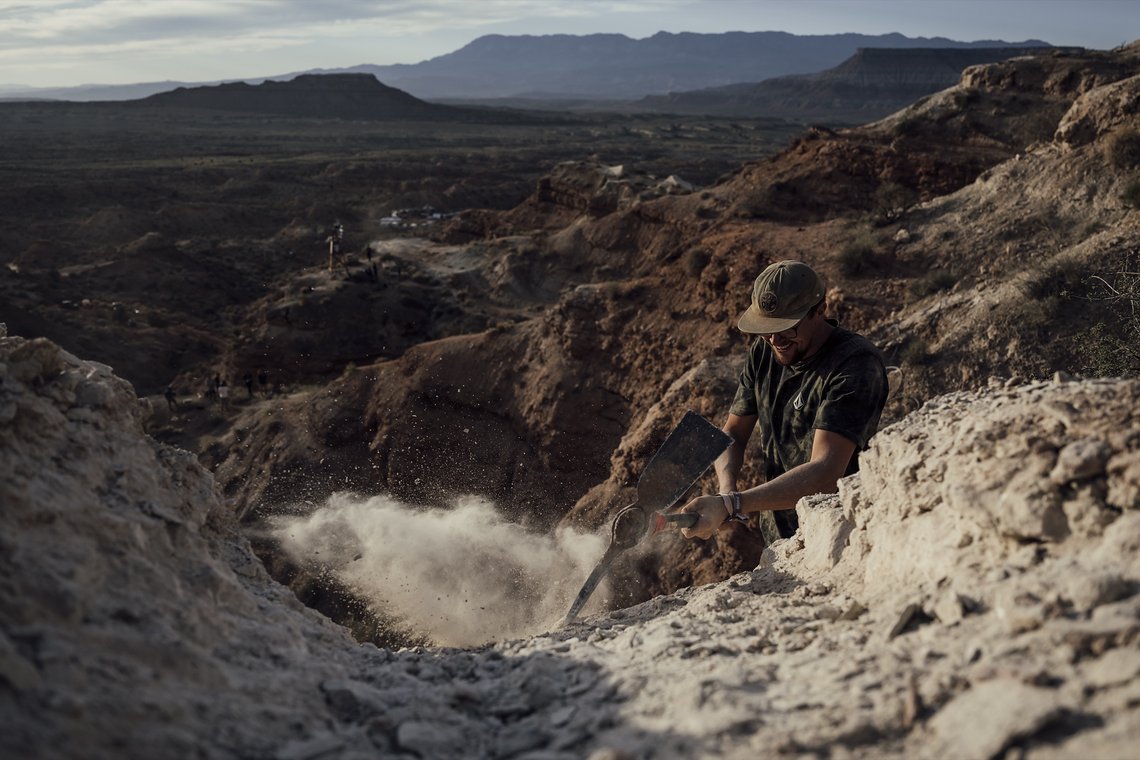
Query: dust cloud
{"type": "Point", "coordinates": [461, 576]}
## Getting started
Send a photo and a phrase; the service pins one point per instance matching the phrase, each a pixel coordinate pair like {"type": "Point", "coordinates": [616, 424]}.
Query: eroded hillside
{"type": "Point", "coordinates": [967, 235]}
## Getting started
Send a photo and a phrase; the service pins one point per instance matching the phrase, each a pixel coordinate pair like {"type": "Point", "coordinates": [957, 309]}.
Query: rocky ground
{"type": "Point", "coordinates": [138, 622]}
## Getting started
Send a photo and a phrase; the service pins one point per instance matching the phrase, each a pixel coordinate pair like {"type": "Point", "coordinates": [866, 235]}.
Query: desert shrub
{"type": "Point", "coordinates": [1131, 194]}
{"type": "Point", "coordinates": [1123, 149]}
{"type": "Point", "coordinates": [758, 203]}
{"type": "Point", "coordinates": [1091, 229]}
{"type": "Point", "coordinates": [967, 96]}
{"type": "Point", "coordinates": [857, 256]}
{"type": "Point", "coordinates": [934, 281]}
{"type": "Point", "coordinates": [1057, 280]}
{"type": "Point", "coordinates": [1112, 345]}
{"type": "Point", "coordinates": [1107, 354]}
{"type": "Point", "coordinates": [905, 128]}
{"type": "Point", "coordinates": [890, 202]}
{"type": "Point", "coordinates": [694, 260]}
{"type": "Point", "coordinates": [915, 351]}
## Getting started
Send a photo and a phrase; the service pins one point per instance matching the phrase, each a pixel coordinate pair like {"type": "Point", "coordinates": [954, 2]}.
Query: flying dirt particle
{"type": "Point", "coordinates": [468, 575]}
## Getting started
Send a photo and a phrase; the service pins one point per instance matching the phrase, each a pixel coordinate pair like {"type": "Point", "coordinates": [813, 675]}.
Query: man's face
{"type": "Point", "coordinates": [791, 345]}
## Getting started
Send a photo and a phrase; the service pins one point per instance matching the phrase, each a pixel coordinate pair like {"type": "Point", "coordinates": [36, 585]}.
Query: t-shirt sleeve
{"type": "Point", "coordinates": [744, 403]}
{"type": "Point", "coordinates": [853, 400]}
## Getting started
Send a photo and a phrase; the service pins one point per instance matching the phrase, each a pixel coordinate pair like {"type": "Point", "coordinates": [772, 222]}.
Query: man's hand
{"type": "Point", "coordinates": [712, 516]}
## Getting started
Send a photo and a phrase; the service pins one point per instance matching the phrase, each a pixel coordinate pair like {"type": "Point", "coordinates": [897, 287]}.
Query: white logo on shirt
{"type": "Point", "coordinates": [798, 401]}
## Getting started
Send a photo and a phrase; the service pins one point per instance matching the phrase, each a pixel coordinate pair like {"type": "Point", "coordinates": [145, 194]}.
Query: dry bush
{"type": "Point", "coordinates": [915, 352]}
{"type": "Point", "coordinates": [1123, 149]}
{"type": "Point", "coordinates": [1113, 345]}
{"type": "Point", "coordinates": [890, 202]}
{"type": "Point", "coordinates": [857, 256]}
{"type": "Point", "coordinates": [695, 260]}
{"type": "Point", "coordinates": [1055, 280]}
{"type": "Point", "coordinates": [1131, 193]}
{"type": "Point", "coordinates": [934, 281]}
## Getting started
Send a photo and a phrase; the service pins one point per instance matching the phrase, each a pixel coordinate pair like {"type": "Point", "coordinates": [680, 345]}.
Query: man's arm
{"type": "Point", "coordinates": [728, 465]}
{"type": "Point", "coordinates": [830, 454]}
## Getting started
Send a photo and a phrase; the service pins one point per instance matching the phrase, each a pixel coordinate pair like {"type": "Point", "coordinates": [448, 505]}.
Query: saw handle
{"type": "Point", "coordinates": [684, 519]}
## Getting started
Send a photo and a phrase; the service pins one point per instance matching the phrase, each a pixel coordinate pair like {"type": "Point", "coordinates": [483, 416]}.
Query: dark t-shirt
{"type": "Point", "coordinates": [843, 389]}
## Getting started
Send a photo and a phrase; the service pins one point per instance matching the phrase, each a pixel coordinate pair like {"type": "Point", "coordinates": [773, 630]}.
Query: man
{"type": "Point", "coordinates": [815, 389]}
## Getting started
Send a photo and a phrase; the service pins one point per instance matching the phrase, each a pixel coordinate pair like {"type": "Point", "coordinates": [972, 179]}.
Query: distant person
{"type": "Point", "coordinates": [211, 390]}
{"type": "Point", "coordinates": [171, 399]}
{"type": "Point", "coordinates": [334, 240]}
{"type": "Point", "coordinates": [815, 390]}
{"type": "Point", "coordinates": [247, 380]}
{"type": "Point", "coordinates": [262, 381]}
{"type": "Point", "coordinates": [224, 393]}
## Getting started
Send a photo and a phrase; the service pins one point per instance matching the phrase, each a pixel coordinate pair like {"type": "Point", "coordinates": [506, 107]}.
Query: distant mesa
{"type": "Point", "coordinates": [344, 96]}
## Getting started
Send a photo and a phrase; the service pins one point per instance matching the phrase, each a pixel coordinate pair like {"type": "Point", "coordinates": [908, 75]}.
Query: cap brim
{"type": "Point", "coordinates": [753, 321]}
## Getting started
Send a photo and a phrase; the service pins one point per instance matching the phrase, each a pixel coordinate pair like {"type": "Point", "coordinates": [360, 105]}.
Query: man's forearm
{"type": "Point", "coordinates": [728, 467]}
{"type": "Point", "coordinates": [784, 491]}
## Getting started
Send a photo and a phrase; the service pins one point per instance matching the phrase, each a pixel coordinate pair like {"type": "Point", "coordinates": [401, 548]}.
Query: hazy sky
{"type": "Point", "coordinates": [70, 42]}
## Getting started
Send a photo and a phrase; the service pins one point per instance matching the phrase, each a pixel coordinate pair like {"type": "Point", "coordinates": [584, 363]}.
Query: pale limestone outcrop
{"type": "Point", "coordinates": [931, 609]}
{"type": "Point", "coordinates": [1099, 111]}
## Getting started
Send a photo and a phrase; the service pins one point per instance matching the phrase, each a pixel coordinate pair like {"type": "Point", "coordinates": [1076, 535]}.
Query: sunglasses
{"type": "Point", "coordinates": [789, 334]}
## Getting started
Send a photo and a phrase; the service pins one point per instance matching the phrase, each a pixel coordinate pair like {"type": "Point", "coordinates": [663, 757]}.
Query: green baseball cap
{"type": "Point", "coordinates": [781, 296]}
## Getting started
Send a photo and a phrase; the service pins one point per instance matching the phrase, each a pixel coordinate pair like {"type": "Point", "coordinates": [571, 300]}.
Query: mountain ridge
{"type": "Point", "coordinates": [871, 84]}
{"type": "Point", "coordinates": [663, 62]}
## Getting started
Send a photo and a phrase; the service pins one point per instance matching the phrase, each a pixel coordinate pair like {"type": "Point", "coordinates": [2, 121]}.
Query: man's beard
{"type": "Point", "coordinates": [791, 354]}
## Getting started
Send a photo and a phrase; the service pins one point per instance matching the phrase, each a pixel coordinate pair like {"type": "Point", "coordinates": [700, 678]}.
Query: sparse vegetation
{"type": "Point", "coordinates": [756, 204]}
{"type": "Point", "coordinates": [858, 256]}
{"type": "Point", "coordinates": [934, 281]}
{"type": "Point", "coordinates": [1113, 346]}
{"type": "Point", "coordinates": [907, 127]}
{"type": "Point", "coordinates": [1107, 355]}
{"type": "Point", "coordinates": [915, 352]}
{"type": "Point", "coordinates": [890, 202]}
{"type": "Point", "coordinates": [1091, 229]}
{"type": "Point", "coordinates": [1123, 149]}
{"type": "Point", "coordinates": [1056, 281]}
{"type": "Point", "coordinates": [1101, 310]}
{"type": "Point", "coordinates": [695, 260]}
{"type": "Point", "coordinates": [967, 96]}
{"type": "Point", "coordinates": [1131, 194]}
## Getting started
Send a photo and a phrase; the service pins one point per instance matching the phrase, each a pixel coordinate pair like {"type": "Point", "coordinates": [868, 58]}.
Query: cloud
{"type": "Point", "coordinates": [194, 36]}
{"type": "Point", "coordinates": [86, 22]}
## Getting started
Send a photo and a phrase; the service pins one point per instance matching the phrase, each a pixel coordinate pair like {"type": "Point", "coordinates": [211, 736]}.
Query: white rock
{"type": "Point", "coordinates": [981, 722]}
